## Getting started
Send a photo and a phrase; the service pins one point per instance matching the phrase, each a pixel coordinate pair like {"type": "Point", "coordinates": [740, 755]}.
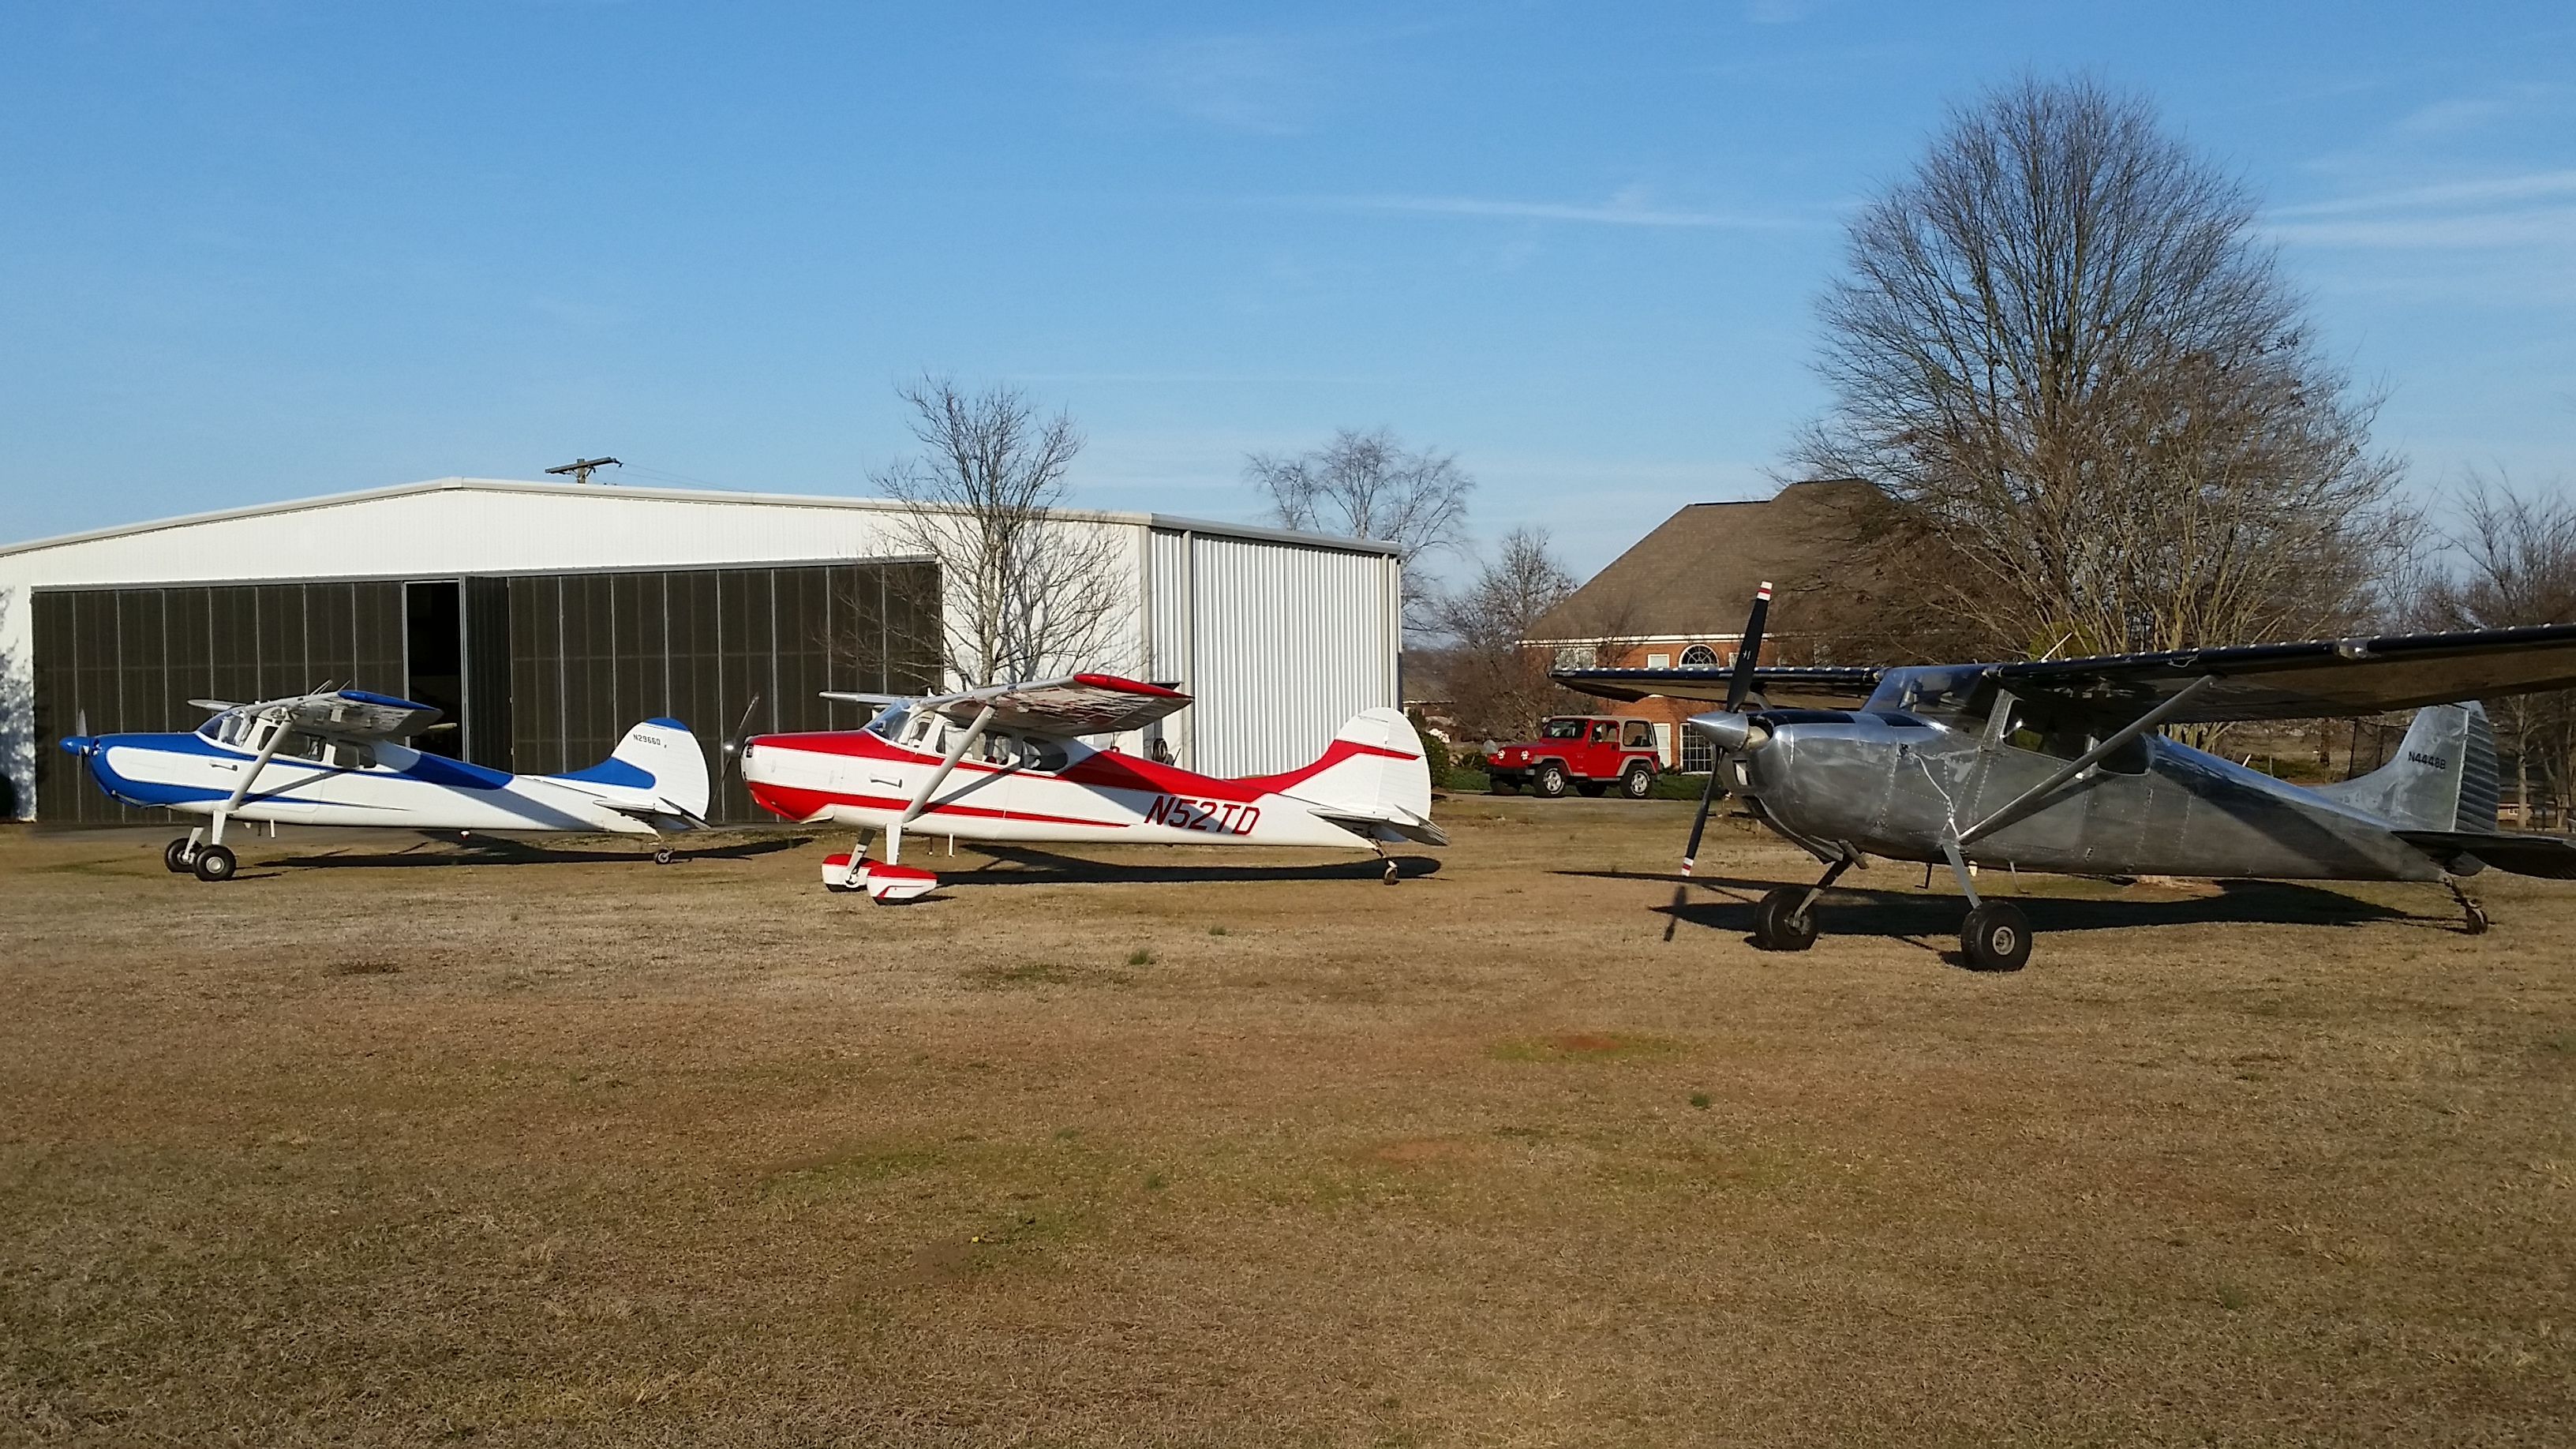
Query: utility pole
{"type": "Point", "coordinates": [580, 468]}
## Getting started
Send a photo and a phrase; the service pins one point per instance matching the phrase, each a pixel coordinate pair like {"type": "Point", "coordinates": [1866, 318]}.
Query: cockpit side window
{"type": "Point", "coordinates": [2070, 737]}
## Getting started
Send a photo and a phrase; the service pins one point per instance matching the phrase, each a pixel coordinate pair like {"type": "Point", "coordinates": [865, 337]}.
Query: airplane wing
{"type": "Point", "coordinates": [1078, 704]}
{"type": "Point", "coordinates": [351, 714]}
{"type": "Point", "coordinates": [2304, 681]}
{"type": "Point", "coordinates": [1780, 685]}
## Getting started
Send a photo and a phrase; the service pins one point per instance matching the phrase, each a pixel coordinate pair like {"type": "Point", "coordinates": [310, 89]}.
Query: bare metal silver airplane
{"type": "Point", "coordinates": [2056, 765]}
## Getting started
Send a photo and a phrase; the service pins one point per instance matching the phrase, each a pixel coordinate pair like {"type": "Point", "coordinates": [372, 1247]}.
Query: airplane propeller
{"type": "Point", "coordinates": [1748, 657]}
{"type": "Point", "coordinates": [733, 742]}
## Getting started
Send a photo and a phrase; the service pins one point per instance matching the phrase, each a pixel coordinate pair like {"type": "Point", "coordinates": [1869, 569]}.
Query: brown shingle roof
{"type": "Point", "coordinates": [1694, 576]}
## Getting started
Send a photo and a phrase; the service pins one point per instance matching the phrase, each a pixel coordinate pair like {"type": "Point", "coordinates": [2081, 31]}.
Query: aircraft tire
{"type": "Point", "coordinates": [175, 856]}
{"type": "Point", "coordinates": [662, 855]}
{"type": "Point", "coordinates": [1777, 927]}
{"type": "Point", "coordinates": [215, 863]}
{"type": "Point", "coordinates": [1548, 781]}
{"type": "Point", "coordinates": [1995, 937]}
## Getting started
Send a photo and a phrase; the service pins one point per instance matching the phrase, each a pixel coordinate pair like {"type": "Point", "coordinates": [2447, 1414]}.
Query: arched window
{"type": "Point", "coordinates": [1699, 656]}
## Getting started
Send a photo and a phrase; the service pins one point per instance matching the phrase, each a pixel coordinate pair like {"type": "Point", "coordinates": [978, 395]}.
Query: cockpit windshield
{"type": "Point", "coordinates": [889, 721]}
{"type": "Point", "coordinates": [1947, 692]}
{"type": "Point", "coordinates": [232, 727]}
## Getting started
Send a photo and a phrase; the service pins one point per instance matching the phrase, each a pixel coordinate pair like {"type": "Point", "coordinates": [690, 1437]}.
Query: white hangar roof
{"type": "Point", "coordinates": [490, 525]}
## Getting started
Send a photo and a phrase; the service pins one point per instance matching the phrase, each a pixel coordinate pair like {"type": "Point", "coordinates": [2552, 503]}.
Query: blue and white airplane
{"type": "Point", "coordinates": [332, 758]}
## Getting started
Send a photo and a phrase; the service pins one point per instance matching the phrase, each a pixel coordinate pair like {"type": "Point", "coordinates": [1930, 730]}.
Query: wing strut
{"type": "Point", "coordinates": [278, 730]}
{"type": "Point", "coordinates": [2015, 810]}
{"type": "Point", "coordinates": [921, 798]}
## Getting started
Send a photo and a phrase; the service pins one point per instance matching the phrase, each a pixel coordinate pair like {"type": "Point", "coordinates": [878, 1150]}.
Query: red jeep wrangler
{"type": "Point", "coordinates": [1587, 752]}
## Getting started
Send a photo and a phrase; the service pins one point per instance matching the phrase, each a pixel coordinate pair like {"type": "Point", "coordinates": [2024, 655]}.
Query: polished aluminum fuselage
{"type": "Point", "coordinates": [1899, 790]}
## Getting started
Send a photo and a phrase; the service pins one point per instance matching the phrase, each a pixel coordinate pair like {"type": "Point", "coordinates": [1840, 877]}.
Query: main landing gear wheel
{"type": "Point", "coordinates": [1995, 937]}
{"type": "Point", "coordinates": [175, 856]}
{"type": "Point", "coordinates": [215, 863]}
{"type": "Point", "coordinates": [1636, 782]}
{"type": "Point", "coordinates": [2474, 918]}
{"type": "Point", "coordinates": [1778, 924]}
{"type": "Point", "coordinates": [1390, 872]}
{"type": "Point", "coordinates": [1549, 781]}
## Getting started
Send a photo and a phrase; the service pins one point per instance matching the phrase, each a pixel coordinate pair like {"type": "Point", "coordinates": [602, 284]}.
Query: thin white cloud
{"type": "Point", "coordinates": [1623, 210]}
{"type": "Point", "coordinates": [2532, 186]}
{"type": "Point", "coordinates": [1780, 12]}
{"type": "Point", "coordinates": [2548, 227]}
{"type": "Point", "coordinates": [1265, 84]}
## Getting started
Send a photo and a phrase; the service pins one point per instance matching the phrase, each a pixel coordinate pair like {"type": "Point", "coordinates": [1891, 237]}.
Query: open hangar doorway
{"type": "Point", "coordinates": [534, 673]}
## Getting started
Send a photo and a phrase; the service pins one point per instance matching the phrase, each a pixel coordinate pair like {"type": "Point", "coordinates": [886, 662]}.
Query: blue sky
{"type": "Point", "coordinates": [258, 251]}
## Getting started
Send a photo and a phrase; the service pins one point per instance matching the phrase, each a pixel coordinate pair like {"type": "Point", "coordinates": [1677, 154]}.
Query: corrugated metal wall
{"type": "Point", "coordinates": [1281, 640]}
{"type": "Point", "coordinates": [1279, 643]}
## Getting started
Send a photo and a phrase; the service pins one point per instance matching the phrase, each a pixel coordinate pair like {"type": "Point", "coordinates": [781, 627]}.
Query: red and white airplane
{"type": "Point", "coordinates": [1005, 763]}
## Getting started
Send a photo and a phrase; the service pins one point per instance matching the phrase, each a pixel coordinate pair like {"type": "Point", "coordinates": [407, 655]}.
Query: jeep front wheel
{"type": "Point", "coordinates": [1549, 780]}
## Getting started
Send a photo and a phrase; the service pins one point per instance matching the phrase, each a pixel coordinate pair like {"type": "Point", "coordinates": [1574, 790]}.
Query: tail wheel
{"type": "Point", "coordinates": [215, 863]}
{"type": "Point", "coordinates": [1637, 781]}
{"type": "Point", "coordinates": [661, 855]}
{"type": "Point", "coordinates": [175, 856]}
{"type": "Point", "coordinates": [1778, 924]}
{"type": "Point", "coordinates": [1549, 781]}
{"type": "Point", "coordinates": [1996, 937]}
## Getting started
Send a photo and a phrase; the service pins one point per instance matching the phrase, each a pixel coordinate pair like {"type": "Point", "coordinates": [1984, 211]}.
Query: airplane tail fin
{"type": "Point", "coordinates": [657, 764]}
{"type": "Point", "coordinates": [1374, 779]}
{"type": "Point", "coordinates": [2444, 775]}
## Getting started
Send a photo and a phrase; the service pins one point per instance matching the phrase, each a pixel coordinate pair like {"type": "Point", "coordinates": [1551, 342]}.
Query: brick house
{"type": "Point", "coordinates": [1677, 598]}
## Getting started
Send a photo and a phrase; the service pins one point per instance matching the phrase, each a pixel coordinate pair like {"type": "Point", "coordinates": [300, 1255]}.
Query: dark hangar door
{"type": "Point", "coordinates": [592, 655]}
{"type": "Point", "coordinates": [129, 660]}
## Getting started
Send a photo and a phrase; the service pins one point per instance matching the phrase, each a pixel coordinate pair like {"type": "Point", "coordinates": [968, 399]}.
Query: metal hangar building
{"type": "Point", "coordinates": [546, 618]}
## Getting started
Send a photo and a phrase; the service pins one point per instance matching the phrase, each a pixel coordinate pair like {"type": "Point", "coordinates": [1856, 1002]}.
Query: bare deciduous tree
{"type": "Point", "coordinates": [1369, 485]}
{"type": "Point", "coordinates": [2517, 555]}
{"type": "Point", "coordinates": [2062, 349]}
{"type": "Point", "coordinates": [1024, 591]}
{"type": "Point", "coordinates": [17, 729]}
{"type": "Point", "coordinates": [1500, 686]}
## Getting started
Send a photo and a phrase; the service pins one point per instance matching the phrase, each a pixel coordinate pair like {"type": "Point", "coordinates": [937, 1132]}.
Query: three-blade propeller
{"type": "Point", "coordinates": [1748, 657]}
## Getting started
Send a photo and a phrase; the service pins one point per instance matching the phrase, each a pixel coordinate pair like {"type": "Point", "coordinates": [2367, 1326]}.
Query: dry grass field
{"type": "Point", "coordinates": [553, 1147]}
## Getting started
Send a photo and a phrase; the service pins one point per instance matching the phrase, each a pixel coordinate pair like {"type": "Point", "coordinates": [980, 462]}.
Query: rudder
{"type": "Point", "coordinates": [2444, 775]}
{"type": "Point", "coordinates": [1375, 765]}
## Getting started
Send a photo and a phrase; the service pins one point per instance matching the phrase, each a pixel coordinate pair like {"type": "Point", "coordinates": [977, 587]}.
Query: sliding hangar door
{"type": "Point", "coordinates": [535, 673]}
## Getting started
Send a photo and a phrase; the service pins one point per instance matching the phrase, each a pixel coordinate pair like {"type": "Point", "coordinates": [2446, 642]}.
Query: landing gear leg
{"type": "Point", "coordinates": [1786, 919]}
{"type": "Point", "coordinates": [848, 872]}
{"type": "Point", "coordinates": [2474, 920]}
{"type": "Point", "coordinates": [1996, 935]}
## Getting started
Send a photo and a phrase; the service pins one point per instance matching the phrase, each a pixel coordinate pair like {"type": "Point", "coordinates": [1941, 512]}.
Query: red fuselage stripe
{"type": "Point", "coordinates": [797, 804]}
{"type": "Point", "coordinates": [1103, 771]}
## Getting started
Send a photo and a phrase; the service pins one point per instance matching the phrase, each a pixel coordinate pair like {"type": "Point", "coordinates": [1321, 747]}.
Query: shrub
{"type": "Point", "coordinates": [1435, 750]}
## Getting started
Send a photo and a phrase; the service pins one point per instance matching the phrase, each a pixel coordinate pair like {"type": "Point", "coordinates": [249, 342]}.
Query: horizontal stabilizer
{"type": "Point", "coordinates": [2547, 856]}
{"type": "Point", "coordinates": [1392, 825]}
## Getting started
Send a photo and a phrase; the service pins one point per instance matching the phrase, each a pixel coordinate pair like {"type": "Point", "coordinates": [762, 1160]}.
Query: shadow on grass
{"type": "Point", "coordinates": [1017, 866]}
{"type": "Point", "coordinates": [1913, 915]}
{"type": "Point", "coordinates": [496, 850]}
